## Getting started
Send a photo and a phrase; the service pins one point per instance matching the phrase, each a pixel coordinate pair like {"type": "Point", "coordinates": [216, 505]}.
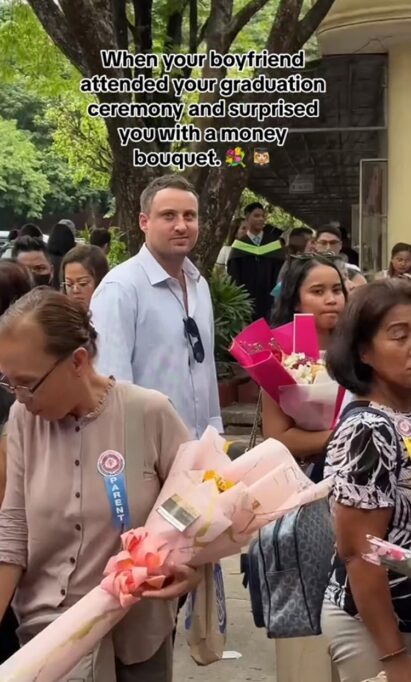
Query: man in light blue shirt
{"type": "Point", "coordinates": [154, 315]}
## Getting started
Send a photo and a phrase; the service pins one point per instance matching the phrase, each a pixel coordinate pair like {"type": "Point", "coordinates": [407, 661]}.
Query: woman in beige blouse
{"type": "Point", "coordinates": [58, 525]}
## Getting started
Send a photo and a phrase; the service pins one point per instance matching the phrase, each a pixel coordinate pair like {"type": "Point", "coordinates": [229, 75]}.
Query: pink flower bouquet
{"type": "Point", "coordinates": [208, 508]}
{"type": "Point", "coordinates": [286, 362]}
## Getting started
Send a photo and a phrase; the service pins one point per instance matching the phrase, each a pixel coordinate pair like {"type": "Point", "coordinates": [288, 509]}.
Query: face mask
{"type": "Point", "coordinates": [42, 280]}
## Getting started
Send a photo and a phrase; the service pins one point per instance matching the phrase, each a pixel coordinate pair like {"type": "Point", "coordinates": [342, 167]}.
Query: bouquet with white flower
{"type": "Point", "coordinates": [286, 362]}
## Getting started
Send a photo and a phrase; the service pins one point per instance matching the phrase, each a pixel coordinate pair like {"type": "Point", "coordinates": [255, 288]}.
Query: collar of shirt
{"type": "Point", "coordinates": [156, 273]}
{"type": "Point", "coordinates": [255, 238]}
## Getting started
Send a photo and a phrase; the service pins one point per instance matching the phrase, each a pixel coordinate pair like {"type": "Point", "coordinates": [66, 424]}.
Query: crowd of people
{"type": "Point", "coordinates": [95, 360]}
{"type": "Point", "coordinates": [257, 256]}
{"type": "Point", "coordinates": [63, 262]}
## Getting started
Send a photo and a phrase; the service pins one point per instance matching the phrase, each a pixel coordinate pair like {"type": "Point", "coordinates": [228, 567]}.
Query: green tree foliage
{"type": "Point", "coordinates": [23, 183]}
{"type": "Point", "coordinates": [118, 248]}
{"type": "Point", "coordinates": [82, 142]}
{"type": "Point", "coordinates": [274, 214]}
{"type": "Point", "coordinates": [26, 51]}
{"type": "Point", "coordinates": [40, 89]}
{"type": "Point", "coordinates": [233, 310]}
{"type": "Point", "coordinates": [82, 28]}
{"type": "Point", "coordinates": [68, 190]}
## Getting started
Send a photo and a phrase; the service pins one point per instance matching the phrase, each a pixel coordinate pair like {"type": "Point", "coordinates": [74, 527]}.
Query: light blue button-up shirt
{"type": "Point", "coordinates": [138, 311]}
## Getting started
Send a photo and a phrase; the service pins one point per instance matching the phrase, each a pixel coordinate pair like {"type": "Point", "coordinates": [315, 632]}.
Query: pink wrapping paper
{"type": "Point", "coordinates": [266, 483]}
{"type": "Point", "coordinates": [299, 336]}
{"type": "Point", "coordinates": [312, 406]}
{"type": "Point", "coordinates": [259, 349]}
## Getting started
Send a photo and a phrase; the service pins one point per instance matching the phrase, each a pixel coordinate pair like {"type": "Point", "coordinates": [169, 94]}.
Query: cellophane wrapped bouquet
{"type": "Point", "coordinates": [209, 508]}
{"type": "Point", "coordinates": [393, 557]}
{"type": "Point", "coordinates": [286, 362]}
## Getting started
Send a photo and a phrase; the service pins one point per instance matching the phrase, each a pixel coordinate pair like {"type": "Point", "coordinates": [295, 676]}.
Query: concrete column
{"type": "Point", "coordinates": [399, 144]}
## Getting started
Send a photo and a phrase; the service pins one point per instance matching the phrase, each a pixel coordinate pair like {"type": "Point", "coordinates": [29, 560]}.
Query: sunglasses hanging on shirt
{"type": "Point", "coordinates": [192, 333]}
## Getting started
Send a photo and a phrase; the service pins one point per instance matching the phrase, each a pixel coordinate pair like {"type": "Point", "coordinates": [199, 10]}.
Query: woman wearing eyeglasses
{"type": "Point", "coordinates": [58, 523]}
{"type": "Point", "coordinates": [313, 285]}
{"type": "Point", "coordinates": [82, 270]}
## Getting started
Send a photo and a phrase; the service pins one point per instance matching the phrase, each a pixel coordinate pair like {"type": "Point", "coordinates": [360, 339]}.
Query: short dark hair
{"type": "Point", "coordinates": [164, 182]}
{"type": "Point", "coordinates": [331, 229]}
{"type": "Point", "coordinates": [27, 244]}
{"type": "Point", "coordinates": [301, 231]}
{"type": "Point", "coordinates": [31, 230]}
{"type": "Point", "coordinates": [65, 323]}
{"type": "Point", "coordinates": [401, 246]}
{"type": "Point", "coordinates": [90, 257]}
{"type": "Point", "coordinates": [100, 237]}
{"type": "Point", "coordinates": [13, 234]}
{"type": "Point", "coordinates": [289, 297]}
{"type": "Point", "coordinates": [357, 327]}
{"type": "Point", "coordinates": [298, 239]}
{"type": "Point", "coordinates": [252, 207]}
{"type": "Point", "coordinates": [396, 249]}
{"type": "Point", "coordinates": [61, 239]}
{"type": "Point", "coordinates": [15, 281]}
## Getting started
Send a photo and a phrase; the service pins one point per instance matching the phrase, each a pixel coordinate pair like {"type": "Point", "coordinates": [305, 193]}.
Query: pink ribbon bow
{"type": "Point", "coordinates": [136, 567]}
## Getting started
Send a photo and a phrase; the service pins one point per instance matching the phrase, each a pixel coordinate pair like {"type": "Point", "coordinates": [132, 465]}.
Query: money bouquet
{"type": "Point", "coordinates": [209, 508]}
{"type": "Point", "coordinates": [286, 363]}
{"type": "Point", "coordinates": [393, 557]}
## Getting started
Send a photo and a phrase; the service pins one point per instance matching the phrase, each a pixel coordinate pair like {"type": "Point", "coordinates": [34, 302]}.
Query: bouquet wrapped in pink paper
{"type": "Point", "coordinates": [208, 508]}
{"type": "Point", "coordinates": [383, 553]}
{"type": "Point", "coordinates": [286, 362]}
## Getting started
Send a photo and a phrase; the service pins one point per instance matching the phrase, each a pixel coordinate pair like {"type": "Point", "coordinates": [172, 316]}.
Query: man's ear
{"type": "Point", "coordinates": [143, 221]}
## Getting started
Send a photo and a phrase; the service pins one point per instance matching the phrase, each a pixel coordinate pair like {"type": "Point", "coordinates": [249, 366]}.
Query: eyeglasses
{"type": "Point", "coordinates": [25, 392]}
{"type": "Point", "coordinates": [68, 286]}
{"type": "Point", "coordinates": [331, 243]}
{"type": "Point", "coordinates": [192, 333]}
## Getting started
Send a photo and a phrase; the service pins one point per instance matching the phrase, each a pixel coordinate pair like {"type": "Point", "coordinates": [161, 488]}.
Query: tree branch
{"type": "Point", "coordinates": [202, 32]}
{"type": "Point", "coordinates": [54, 23]}
{"type": "Point", "coordinates": [242, 18]}
{"type": "Point", "coordinates": [192, 33]}
{"type": "Point", "coordinates": [142, 31]}
{"type": "Point", "coordinates": [143, 18]}
{"type": "Point", "coordinates": [193, 26]}
{"type": "Point", "coordinates": [92, 23]}
{"type": "Point", "coordinates": [120, 23]}
{"type": "Point", "coordinates": [174, 30]}
{"type": "Point", "coordinates": [119, 8]}
{"type": "Point", "coordinates": [283, 32]}
{"type": "Point", "coordinates": [312, 20]}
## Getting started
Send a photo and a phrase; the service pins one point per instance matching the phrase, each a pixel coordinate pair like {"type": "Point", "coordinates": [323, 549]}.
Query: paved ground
{"type": "Point", "coordinates": [257, 663]}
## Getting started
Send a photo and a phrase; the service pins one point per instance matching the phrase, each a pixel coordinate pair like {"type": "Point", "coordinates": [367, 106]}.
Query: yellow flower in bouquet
{"type": "Point", "coordinates": [221, 484]}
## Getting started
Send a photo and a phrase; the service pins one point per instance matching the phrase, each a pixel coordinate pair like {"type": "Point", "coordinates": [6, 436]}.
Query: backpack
{"type": "Point", "coordinates": [290, 564]}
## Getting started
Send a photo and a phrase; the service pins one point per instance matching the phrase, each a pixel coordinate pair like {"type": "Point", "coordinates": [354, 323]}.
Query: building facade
{"type": "Point", "coordinates": [361, 27]}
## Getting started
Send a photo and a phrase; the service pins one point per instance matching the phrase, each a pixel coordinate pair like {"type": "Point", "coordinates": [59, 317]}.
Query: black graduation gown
{"type": "Point", "coordinates": [257, 268]}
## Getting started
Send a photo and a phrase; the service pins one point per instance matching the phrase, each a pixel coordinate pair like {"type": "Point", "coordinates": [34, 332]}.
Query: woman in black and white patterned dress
{"type": "Point", "coordinates": [367, 611]}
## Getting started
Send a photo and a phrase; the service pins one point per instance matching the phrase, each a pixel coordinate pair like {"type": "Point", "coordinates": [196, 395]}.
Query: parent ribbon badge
{"type": "Point", "coordinates": [111, 465]}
